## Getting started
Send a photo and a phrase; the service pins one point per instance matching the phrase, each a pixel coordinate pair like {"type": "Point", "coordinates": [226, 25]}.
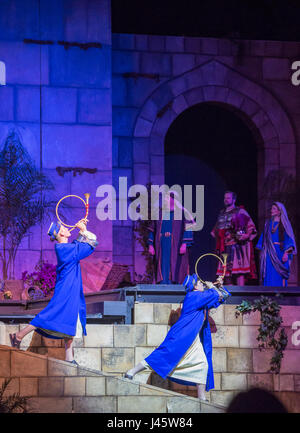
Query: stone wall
{"type": "Point", "coordinates": [53, 386]}
{"type": "Point", "coordinates": [238, 363]}
{"type": "Point", "coordinates": [59, 101]}
{"type": "Point", "coordinates": [156, 78]}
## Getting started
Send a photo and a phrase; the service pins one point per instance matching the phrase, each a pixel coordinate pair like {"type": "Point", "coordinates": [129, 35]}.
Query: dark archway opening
{"type": "Point", "coordinates": [209, 144]}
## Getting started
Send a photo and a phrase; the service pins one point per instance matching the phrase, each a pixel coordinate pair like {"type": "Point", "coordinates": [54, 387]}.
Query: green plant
{"type": "Point", "coordinates": [11, 403]}
{"type": "Point", "coordinates": [23, 203]}
{"type": "Point", "coordinates": [270, 332]}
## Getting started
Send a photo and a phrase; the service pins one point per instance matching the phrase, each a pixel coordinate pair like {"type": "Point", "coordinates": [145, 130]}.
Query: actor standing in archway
{"type": "Point", "coordinates": [277, 245]}
{"type": "Point", "coordinates": [169, 242]}
{"type": "Point", "coordinates": [234, 232]}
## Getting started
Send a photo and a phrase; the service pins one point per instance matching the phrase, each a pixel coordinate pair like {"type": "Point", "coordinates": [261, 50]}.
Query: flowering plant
{"type": "Point", "coordinates": [43, 277]}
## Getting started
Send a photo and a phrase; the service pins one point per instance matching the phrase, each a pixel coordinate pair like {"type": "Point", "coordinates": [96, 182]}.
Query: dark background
{"type": "Point", "coordinates": [245, 19]}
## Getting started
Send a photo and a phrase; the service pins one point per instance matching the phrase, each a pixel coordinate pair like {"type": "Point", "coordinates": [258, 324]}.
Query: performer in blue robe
{"type": "Point", "coordinates": [185, 355]}
{"type": "Point", "coordinates": [277, 245]}
{"type": "Point", "coordinates": [65, 315]}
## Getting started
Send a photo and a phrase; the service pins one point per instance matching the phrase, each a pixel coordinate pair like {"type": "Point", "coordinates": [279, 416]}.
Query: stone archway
{"type": "Point", "coordinates": [217, 83]}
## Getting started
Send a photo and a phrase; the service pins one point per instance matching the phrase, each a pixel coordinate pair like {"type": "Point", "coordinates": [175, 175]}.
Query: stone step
{"type": "Point", "coordinates": [53, 385]}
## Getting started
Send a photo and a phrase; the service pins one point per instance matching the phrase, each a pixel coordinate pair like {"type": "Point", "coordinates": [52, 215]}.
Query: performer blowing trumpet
{"type": "Point", "coordinates": [185, 355]}
{"type": "Point", "coordinates": [65, 315]}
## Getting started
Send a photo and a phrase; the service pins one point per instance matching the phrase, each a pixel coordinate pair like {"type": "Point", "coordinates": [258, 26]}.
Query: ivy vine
{"type": "Point", "coordinates": [271, 334]}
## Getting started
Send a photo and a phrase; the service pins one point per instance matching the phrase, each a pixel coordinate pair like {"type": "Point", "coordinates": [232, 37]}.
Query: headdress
{"type": "Point", "coordinates": [53, 230]}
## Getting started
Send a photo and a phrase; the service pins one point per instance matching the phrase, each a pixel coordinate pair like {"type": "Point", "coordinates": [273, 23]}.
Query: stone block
{"type": "Point", "coordinates": [23, 63]}
{"type": "Point", "coordinates": [123, 62]}
{"type": "Point", "coordinates": [59, 105]}
{"type": "Point", "coordinates": [290, 314]}
{"type": "Point", "coordinates": [156, 63]}
{"type": "Point", "coordinates": [143, 313]}
{"type": "Point", "coordinates": [182, 63]}
{"type": "Point", "coordinates": [5, 330]}
{"type": "Point", "coordinates": [141, 353]}
{"type": "Point", "coordinates": [229, 315]}
{"type": "Point", "coordinates": [94, 106]}
{"type": "Point", "coordinates": [95, 404]}
{"type": "Point", "coordinates": [50, 405]}
{"type": "Point", "coordinates": [80, 68]}
{"type": "Point", "coordinates": [209, 46]}
{"type": "Point", "coordinates": [122, 240]}
{"type": "Point", "coordinates": [7, 108]}
{"type": "Point", "coordinates": [144, 377]}
{"type": "Point", "coordinates": [261, 381]}
{"type": "Point", "coordinates": [88, 357]}
{"type": "Point", "coordinates": [297, 382]}
{"type": "Point", "coordinates": [51, 387]}
{"type": "Point", "coordinates": [276, 69]}
{"type": "Point", "coordinates": [141, 404]}
{"type": "Point", "coordinates": [143, 128]}
{"type": "Point", "coordinates": [219, 359]}
{"type": "Point", "coordinates": [239, 360]}
{"type": "Point", "coordinates": [217, 314]}
{"type": "Point", "coordinates": [290, 362]}
{"type": "Point", "coordinates": [61, 368]}
{"type": "Point", "coordinates": [226, 336]}
{"type": "Point", "coordinates": [290, 400]}
{"type": "Point", "coordinates": [252, 318]}
{"type": "Point", "coordinates": [248, 336]}
{"type": "Point", "coordinates": [285, 382]}
{"type": "Point", "coordinates": [141, 42]}
{"type": "Point", "coordinates": [53, 352]}
{"type": "Point", "coordinates": [12, 388]}
{"type": "Point", "coordinates": [117, 360]}
{"type": "Point", "coordinates": [121, 387]}
{"type": "Point", "coordinates": [30, 340]}
{"type": "Point", "coordinates": [96, 140]}
{"type": "Point", "coordinates": [74, 386]}
{"type": "Point", "coordinates": [233, 381]}
{"type": "Point", "coordinates": [175, 43]}
{"type": "Point", "coordinates": [99, 336]}
{"type": "Point", "coordinates": [141, 150]}
{"type": "Point", "coordinates": [28, 386]}
{"type": "Point", "coordinates": [179, 104]}
{"type": "Point", "coordinates": [95, 386]}
{"type": "Point", "coordinates": [222, 398]}
{"type": "Point", "coordinates": [182, 405]}
{"type": "Point", "coordinates": [27, 365]}
{"type": "Point", "coordinates": [124, 335]}
{"type": "Point", "coordinates": [208, 408]}
{"type": "Point", "coordinates": [161, 313]}
{"type": "Point", "coordinates": [192, 45]}
{"type": "Point", "coordinates": [123, 121]}
{"type": "Point", "coordinates": [261, 360]}
{"type": "Point", "coordinates": [156, 334]}
{"type": "Point", "coordinates": [156, 43]}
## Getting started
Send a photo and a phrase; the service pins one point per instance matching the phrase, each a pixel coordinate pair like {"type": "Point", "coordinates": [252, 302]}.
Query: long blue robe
{"type": "Point", "coordinates": [182, 334]}
{"type": "Point", "coordinates": [68, 301]}
{"type": "Point", "coordinates": [272, 277]}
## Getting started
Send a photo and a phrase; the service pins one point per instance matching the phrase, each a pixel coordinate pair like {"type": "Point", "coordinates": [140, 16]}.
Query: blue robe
{"type": "Point", "coordinates": [272, 277]}
{"type": "Point", "coordinates": [182, 334]}
{"type": "Point", "coordinates": [68, 301]}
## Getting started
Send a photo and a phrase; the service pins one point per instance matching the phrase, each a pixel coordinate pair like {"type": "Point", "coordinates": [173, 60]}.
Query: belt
{"type": "Point", "coordinates": [166, 234]}
{"type": "Point", "coordinates": [276, 243]}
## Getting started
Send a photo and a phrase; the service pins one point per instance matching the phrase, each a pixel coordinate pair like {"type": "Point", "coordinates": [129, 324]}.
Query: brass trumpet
{"type": "Point", "coordinates": [223, 262]}
{"type": "Point", "coordinates": [85, 202]}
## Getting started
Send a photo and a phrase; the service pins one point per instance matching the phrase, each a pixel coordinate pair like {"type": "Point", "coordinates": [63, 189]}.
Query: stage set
{"type": "Point", "coordinates": [92, 124]}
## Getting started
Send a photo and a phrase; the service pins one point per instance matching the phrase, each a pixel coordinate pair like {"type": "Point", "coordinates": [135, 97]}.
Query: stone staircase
{"type": "Point", "coordinates": [53, 385]}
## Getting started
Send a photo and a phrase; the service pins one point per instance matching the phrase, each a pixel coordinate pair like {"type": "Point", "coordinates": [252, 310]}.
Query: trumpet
{"type": "Point", "coordinates": [223, 262]}
{"type": "Point", "coordinates": [86, 205]}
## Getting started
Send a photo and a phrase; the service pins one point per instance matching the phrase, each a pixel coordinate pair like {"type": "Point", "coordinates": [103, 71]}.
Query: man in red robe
{"type": "Point", "coordinates": [234, 232]}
